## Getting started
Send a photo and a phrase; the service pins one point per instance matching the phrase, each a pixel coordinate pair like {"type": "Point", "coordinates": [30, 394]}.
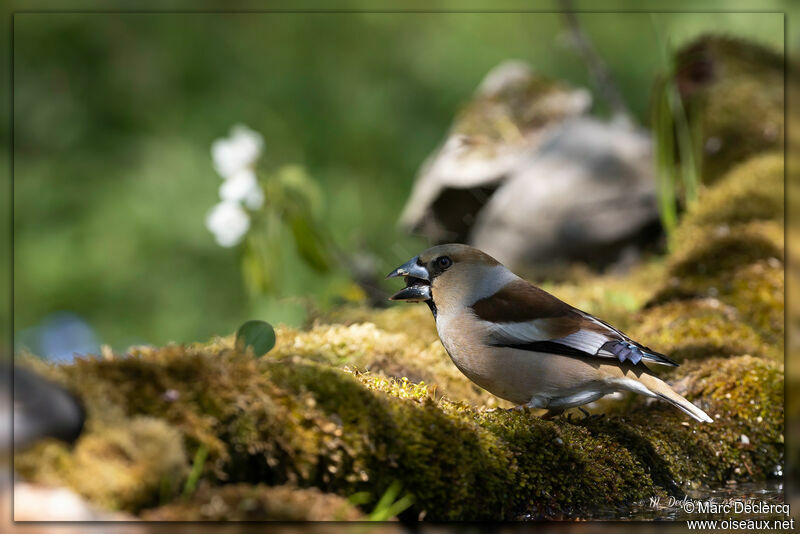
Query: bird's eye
{"type": "Point", "coordinates": [444, 262]}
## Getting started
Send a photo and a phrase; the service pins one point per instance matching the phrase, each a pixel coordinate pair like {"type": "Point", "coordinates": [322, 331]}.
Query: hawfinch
{"type": "Point", "coordinates": [523, 344]}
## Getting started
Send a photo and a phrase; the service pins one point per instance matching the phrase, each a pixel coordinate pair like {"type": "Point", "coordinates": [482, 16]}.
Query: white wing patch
{"type": "Point", "coordinates": [533, 331]}
{"type": "Point", "coordinates": [609, 343]}
{"type": "Point", "coordinates": [585, 340]}
{"type": "Point", "coordinates": [517, 333]}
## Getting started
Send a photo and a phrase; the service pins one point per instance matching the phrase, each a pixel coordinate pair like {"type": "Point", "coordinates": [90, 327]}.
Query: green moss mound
{"type": "Point", "coordinates": [701, 328]}
{"type": "Point", "coordinates": [405, 345]}
{"type": "Point", "coordinates": [525, 104]}
{"type": "Point", "coordinates": [125, 466]}
{"type": "Point", "coordinates": [305, 423]}
{"type": "Point", "coordinates": [744, 395]}
{"type": "Point", "coordinates": [751, 191]}
{"type": "Point", "coordinates": [734, 87]}
{"type": "Point", "coordinates": [730, 247]}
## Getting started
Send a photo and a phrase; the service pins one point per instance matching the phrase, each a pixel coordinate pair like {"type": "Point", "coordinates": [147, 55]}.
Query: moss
{"type": "Point", "coordinates": [700, 328]}
{"type": "Point", "coordinates": [751, 191]}
{"type": "Point", "coordinates": [399, 353]}
{"type": "Point", "coordinates": [741, 271]}
{"type": "Point", "coordinates": [401, 318]}
{"type": "Point", "coordinates": [713, 253]}
{"type": "Point", "coordinates": [745, 397]}
{"type": "Point", "coordinates": [715, 75]}
{"type": "Point", "coordinates": [306, 423]}
{"type": "Point", "coordinates": [730, 247]}
{"type": "Point", "coordinates": [526, 104]}
{"type": "Point", "coordinates": [125, 466]}
{"type": "Point", "coordinates": [245, 502]}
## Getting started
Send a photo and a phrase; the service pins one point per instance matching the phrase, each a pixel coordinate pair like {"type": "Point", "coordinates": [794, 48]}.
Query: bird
{"type": "Point", "coordinates": [523, 344]}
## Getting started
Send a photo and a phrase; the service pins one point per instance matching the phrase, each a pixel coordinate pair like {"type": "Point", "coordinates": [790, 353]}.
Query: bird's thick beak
{"type": "Point", "coordinates": [418, 285]}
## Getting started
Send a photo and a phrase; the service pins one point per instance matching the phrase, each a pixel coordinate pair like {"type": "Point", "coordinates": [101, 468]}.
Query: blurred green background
{"type": "Point", "coordinates": [114, 115]}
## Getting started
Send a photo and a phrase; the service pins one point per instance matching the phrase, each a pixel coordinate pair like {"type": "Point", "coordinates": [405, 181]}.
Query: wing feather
{"type": "Point", "coordinates": [523, 316]}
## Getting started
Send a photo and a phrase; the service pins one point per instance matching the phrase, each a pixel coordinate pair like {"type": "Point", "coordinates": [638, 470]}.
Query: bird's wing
{"type": "Point", "coordinates": [525, 317]}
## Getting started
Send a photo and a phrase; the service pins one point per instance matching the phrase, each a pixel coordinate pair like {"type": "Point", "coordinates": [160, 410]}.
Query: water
{"type": "Point", "coordinates": [760, 495]}
{"type": "Point", "coordinates": [766, 495]}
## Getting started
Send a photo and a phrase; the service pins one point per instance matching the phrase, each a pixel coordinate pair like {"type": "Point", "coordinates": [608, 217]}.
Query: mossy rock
{"type": "Point", "coordinates": [715, 75]}
{"type": "Point", "coordinates": [256, 502]}
{"type": "Point", "coordinates": [713, 253]}
{"type": "Point", "coordinates": [730, 247]}
{"type": "Point", "coordinates": [365, 399]}
{"type": "Point", "coordinates": [305, 423]}
{"type": "Point", "coordinates": [744, 395]}
{"type": "Point", "coordinates": [519, 106]}
{"type": "Point", "coordinates": [700, 328]}
{"type": "Point", "coordinates": [406, 350]}
{"type": "Point", "coordinates": [127, 466]}
{"type": "Point", "coordinates": [751, 191]}
{"type": "Point", "coordinates": [754, 287]}
{"type": "Point", "coordinates": [401, 318]}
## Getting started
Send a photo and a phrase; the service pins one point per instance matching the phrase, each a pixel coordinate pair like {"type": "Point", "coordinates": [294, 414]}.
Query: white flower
{"type": "Point", "coordinates": [255, 198]}
{"type": "Point", "coordinates": [228, 222]}
{"type": "Point", "coordinates": [236, 152]}
{"type": "Point", "coordinates": [243, 186]}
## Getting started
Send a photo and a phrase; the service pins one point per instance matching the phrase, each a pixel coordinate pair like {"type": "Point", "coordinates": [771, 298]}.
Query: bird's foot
{"type": "Point", "coordinates": [589, 416]}
{"type": "Point", "coordinates": [553, 412]}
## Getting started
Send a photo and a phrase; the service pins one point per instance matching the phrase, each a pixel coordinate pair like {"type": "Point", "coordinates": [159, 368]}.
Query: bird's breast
{"type": "Point", "coordinates": [463, 339]}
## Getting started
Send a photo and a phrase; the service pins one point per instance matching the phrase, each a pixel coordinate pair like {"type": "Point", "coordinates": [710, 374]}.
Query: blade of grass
{"type": "Point", "coordinates": [197, 469]}
{"type": "Point", "coordinates": [388, 507]}
{"type": "Point", "coordinates": [677, 143]}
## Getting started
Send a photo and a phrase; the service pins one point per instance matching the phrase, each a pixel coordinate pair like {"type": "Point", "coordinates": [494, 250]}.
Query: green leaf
{"type": "Point", "coordinates": [310, 244]}
{"type": "Point", "coordinates": [300, 190]}
{"type": "Point", "coordinates": [258, 335]}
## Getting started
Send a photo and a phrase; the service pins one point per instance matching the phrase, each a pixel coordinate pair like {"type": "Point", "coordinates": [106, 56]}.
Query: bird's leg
{"type": "Point", "coordinates": [590, 417]}
{"type": "Point", "coordinates": [552, 412]}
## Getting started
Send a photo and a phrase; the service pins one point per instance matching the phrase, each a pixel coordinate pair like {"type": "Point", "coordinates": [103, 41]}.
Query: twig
{"type": "Point", "coordinates": [597, 67]}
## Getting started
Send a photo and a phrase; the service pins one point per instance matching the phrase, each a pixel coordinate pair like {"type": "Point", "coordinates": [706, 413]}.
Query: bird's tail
{"type": "Point", "coordinates": [660, 389]}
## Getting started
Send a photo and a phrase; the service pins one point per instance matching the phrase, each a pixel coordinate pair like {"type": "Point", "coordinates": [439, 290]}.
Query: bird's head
{"type": "Point", "coordinates": [449, 275]}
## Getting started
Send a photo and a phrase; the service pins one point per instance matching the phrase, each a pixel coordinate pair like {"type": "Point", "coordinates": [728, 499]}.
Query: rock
{"type": "Point", "coordinates": [120, 464]}
{"type": "Point", "coordinates": [41, 409]}
{"type": "Point", "coordinates": [527, 177]}
{"type": "Point", "coordinates": [507, 117]}
{"type": "Point", "coordinates": [370, 401]}
{"type": "Point", "coordinates": [585, 194]}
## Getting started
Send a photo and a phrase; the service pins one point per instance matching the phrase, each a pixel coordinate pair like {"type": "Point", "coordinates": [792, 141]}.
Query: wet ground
{"type": "Point", "coordinates": [759, 500]}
